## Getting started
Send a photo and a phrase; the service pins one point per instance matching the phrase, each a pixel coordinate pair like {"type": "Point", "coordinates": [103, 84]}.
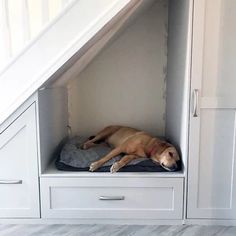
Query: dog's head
{"type": "Point", "coordinates": [167, 158]}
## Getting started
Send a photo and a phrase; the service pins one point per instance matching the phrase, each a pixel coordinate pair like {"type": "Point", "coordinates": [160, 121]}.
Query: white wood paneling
{"type": "Point", "coordinates": [21, 21]}
{"type": "Point", "coordinates": [45, 11]}
{"type": "Point", "coordinates": [212, 176]}
{"type": "Point", "coordinates": [16, 25]}
{"type": "Point", "coordinates": [53, 122]}
{"type": "Point", "coordinates": [18, 112]}
{"type": "Point", "coordinates": [216, 159]}
{"type": "Point", "coordinates": [18, 155]}
{"type": "Point", "coordinates": [54, 7]}
{"type": "Point", "coordinates": [26, 20]}
{"type": "Point", "coordinates": [5, 36]}
{"type": "Point", "coordinates": [219, 54]}
{"type": "Point", "coordinates": [150, 198]}
{"type": "Point", "coordinates": [35, 14]}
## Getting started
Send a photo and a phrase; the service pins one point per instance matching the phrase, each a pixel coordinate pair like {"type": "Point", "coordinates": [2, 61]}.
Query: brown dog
{"type": "Point", "coordinates": [134, 144]}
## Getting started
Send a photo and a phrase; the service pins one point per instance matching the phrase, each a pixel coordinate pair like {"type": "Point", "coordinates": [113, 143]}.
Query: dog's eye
{"type": "Point", "coordinates": [171, 154]}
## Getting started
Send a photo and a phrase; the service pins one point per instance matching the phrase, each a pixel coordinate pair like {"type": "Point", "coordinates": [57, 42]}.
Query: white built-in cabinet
{"type": "Point", "coordinates": [19, 183]}
{"type": "Point", "coordinates": [196, 96]}
{"type": "Point", "coordinates": [212, 166]}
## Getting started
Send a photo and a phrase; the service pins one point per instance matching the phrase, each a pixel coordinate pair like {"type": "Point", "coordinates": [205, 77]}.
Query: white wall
{"type": "Point", "coordinates": [125, 84]}
{"type": "Point", "coordinates": [178, 74]}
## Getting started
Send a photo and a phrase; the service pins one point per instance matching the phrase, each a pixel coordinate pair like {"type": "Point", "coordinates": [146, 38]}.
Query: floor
{"type": "Point", "coordinates": [115, 230]}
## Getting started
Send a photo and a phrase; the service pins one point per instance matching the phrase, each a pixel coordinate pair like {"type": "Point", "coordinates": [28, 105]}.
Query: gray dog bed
{"type": "Point", "coordinates": [72, 158]}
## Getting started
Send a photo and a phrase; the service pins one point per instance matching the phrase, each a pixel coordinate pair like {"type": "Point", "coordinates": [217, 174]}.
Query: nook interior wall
{"type": "Point", "coordinates": [178, 74]}
{"type": "Point", "coordinates": [125, 83]}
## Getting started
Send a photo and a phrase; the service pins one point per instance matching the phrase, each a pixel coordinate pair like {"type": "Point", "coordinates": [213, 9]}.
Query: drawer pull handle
{"type": "Point", "coordinates": [10, 181]}
{"type": "Point", "coordinates": [111, 198]}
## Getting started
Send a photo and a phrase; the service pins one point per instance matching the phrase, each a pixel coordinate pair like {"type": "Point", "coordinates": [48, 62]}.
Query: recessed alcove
{"type": "Point", "coordinates": [135, 73]}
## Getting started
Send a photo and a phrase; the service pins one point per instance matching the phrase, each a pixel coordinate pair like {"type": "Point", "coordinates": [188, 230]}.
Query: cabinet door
{"type": "Point", "coordinates": [212, 165]}
{"type": "Point", "coordinates": [19, 188]}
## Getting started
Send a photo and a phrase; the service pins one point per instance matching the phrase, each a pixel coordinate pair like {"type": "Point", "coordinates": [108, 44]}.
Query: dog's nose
{"type": "Point", "coordinates": [174, 167]}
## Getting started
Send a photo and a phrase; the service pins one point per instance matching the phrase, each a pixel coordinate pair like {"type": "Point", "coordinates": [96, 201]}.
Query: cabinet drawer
{"type": "Point", "coordinates": [18, 168]}
{"type": "Point", "coordinates": [134, 198]}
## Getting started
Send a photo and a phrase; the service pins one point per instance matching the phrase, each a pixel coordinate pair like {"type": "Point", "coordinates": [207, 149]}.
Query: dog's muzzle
{"type": "Point", "coordinates": [170, 168]}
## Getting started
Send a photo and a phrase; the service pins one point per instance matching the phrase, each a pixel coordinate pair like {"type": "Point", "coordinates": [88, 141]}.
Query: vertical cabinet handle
{"type": "Point", "coordinates": [195, 102]}
{"type": "Point", "coordinates": [10, 181]}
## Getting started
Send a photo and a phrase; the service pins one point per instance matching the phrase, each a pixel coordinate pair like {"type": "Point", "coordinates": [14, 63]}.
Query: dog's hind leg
{"type": "Point", "coordinates": [123, 162]}
{"type": "Point", "coordinates": [103, 134]}
{"type": "Point", "coordinates": [95, 165]}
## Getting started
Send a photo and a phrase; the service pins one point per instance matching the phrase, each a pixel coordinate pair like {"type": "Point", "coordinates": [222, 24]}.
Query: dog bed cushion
{"type": "Point", "coordinates": [72, 158]}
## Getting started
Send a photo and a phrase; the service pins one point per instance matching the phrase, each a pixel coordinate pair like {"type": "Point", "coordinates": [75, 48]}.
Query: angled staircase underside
{"type": "Point", "coordinates": [63, 49]}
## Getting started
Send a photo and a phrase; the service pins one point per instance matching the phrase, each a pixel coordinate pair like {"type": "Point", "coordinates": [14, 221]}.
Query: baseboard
{"type": "Point", "coordinates": [120, 221]}
{"type": "Point", "coordinates": [210, 222]}
{"type": "Point", "coordinates": [92, 221]}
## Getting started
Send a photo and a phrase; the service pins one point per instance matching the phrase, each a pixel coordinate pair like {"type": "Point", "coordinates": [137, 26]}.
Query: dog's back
{"type": "Point", "coordinates": [120, 135]}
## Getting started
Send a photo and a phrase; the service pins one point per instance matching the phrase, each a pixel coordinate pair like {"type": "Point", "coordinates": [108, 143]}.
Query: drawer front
{"type": "Point", "coordinates": [19, 188]}
{"type": "Point", "coordinates": [134, 198]}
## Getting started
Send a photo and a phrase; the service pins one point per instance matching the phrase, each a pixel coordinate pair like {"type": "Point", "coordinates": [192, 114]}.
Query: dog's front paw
{"type": "Point", "coordinates": [84, 146]}
{"type": "Point", "coordinates": [115, 167]}
{"type": "Point", "coordinates": [93, 166]}
{"type": "Point", "coordinates": [80, 146]}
